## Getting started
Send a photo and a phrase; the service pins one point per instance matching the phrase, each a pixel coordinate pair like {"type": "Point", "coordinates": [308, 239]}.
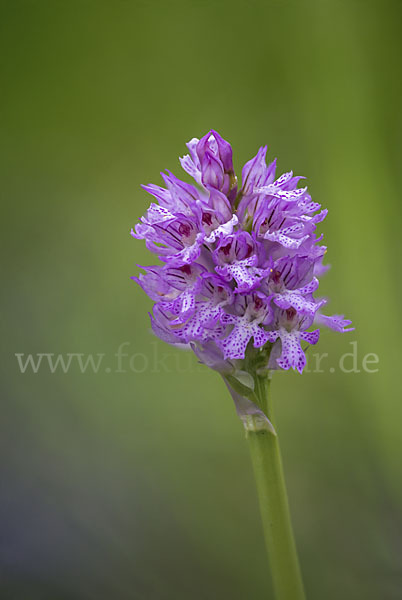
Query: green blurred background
{"type": "Point", "coordinates": [137, 485]}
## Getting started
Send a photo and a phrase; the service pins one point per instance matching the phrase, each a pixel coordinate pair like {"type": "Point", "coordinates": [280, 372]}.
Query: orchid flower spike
{"type": "Point", "coordinates": [239, 263]}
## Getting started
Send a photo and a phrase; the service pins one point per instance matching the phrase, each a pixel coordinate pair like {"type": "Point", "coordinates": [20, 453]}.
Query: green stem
{"type": "Point", "coordinates": [267, 464]}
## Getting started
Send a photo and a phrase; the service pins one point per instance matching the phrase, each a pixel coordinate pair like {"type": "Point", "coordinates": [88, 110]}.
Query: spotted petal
{"type": "Point", "coordinates": [292, 354]}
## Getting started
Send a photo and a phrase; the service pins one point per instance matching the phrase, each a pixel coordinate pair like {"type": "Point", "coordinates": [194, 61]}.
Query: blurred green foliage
{"type": "Point", "coordinates": [137, 485]}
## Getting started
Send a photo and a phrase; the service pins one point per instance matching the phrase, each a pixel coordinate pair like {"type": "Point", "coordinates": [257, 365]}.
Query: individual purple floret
{"type": "Point", "coordinates": [240, 264]}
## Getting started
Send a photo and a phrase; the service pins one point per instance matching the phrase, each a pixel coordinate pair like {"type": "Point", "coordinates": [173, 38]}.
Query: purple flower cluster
{"type": "Point", "coordinates": [240, 263]}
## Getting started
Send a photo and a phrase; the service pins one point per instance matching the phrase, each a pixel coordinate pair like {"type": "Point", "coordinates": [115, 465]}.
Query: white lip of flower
{"type": "Point", "coordinates": [226, 229]}
{"type": "Point", "coordinates": [274, 190]}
